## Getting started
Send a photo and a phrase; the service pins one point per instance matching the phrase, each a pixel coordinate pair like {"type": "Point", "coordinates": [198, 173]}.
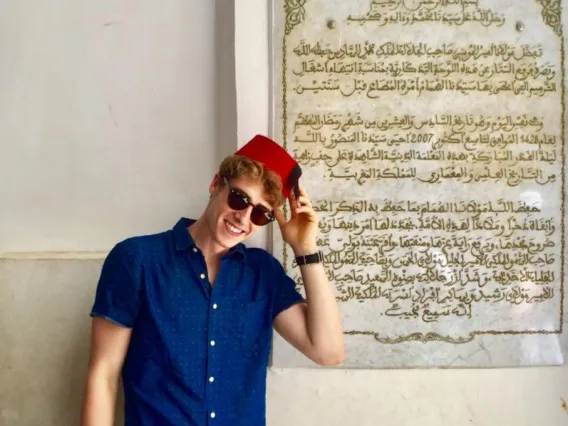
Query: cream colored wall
{"type": "Point", "coordinates": [45, 296]}
{"type": "Point", "coordinates": [105, 110]}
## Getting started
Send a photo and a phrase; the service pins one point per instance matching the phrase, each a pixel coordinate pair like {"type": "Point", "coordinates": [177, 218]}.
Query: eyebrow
{"type": "Point", "coordinates": [269, 208]}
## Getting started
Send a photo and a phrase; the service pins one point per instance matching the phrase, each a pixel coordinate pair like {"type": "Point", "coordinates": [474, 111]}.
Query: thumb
{"type": "Point", "coordinates": [279, 216]}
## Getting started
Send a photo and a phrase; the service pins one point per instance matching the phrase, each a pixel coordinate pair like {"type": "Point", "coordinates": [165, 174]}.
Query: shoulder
{"type": "Point", "coordinates": [136, 249]}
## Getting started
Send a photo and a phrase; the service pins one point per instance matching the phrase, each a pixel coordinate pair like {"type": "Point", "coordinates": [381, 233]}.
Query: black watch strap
{"type": "Point", "coordinates": [310, 258]}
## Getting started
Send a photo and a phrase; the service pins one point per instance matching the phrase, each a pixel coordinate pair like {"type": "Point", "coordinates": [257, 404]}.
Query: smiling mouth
{"type": "Point", "coordinates": [233, 229]}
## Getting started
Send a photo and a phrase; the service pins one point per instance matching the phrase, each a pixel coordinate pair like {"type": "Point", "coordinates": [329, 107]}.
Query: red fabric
{"type": "Point", "coordinates": [273, 157]}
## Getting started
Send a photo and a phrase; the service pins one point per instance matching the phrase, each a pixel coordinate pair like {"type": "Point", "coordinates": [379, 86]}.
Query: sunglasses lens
{"type": "Point", "coordinates": [260, 217]}
{"type": "Point", "coordinates": [237, 201]}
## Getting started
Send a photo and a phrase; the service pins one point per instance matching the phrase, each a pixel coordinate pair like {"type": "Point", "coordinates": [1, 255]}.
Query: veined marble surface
{"type": "Point", "coordinates": [431, 136]}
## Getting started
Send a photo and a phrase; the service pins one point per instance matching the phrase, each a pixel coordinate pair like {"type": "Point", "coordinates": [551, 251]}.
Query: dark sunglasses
{"type": "Point", "coordinates": [237, 200]}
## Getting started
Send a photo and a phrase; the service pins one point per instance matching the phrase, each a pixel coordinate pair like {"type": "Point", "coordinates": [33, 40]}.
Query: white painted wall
{"type": "Point", "coordinates": [76, 175]}
{"type": "Point", "coordinates": [107, 119]}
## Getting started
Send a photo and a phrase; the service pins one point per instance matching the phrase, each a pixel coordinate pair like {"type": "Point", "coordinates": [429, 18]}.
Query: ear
{"type": "Point", "coordinates": [216, 183]}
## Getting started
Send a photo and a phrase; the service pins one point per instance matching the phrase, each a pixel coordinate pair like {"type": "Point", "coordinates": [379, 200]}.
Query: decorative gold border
{"type": "Point", "coordinates": [433, 337]}
{"type": "Point", "coordinates": [414, 337]}
{"type": "Point", "coordinates": [552, 16]}
{"type": "Point", "coordinates": [295, 13]}
{"type": "Point", "coordinates": [560, 33]}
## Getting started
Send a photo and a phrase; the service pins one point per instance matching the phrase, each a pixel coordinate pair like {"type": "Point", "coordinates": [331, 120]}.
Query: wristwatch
{"type": "Point", "coordinates": [310, 258]}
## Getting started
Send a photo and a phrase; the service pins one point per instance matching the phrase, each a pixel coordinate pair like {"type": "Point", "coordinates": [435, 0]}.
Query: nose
{"type": "Point", "coordinates": [244, 215]}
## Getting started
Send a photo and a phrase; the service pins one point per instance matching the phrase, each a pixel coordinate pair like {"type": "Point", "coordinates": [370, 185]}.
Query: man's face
{"type": "Point", "coordinates": [227, 226]}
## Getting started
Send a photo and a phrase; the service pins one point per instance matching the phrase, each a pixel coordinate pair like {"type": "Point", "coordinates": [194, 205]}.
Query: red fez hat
{"type": "Point", "coordinates": [274, 157]}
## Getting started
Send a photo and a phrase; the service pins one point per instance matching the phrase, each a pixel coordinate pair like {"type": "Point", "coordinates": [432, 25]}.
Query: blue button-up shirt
{"type": "Point", "coordinates": [198, 353]}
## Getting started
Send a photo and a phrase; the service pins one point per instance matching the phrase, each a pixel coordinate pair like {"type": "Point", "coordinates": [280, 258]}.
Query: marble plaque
{"type": "Point", "coordinates": [431, 137]}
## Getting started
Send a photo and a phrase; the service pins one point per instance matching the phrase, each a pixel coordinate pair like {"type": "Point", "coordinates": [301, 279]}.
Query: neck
{"type": "Point", "coordinates": [202, 236]}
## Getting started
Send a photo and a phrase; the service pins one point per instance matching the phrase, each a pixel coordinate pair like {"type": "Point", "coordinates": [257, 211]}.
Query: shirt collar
{"type": "Point", "coordinates": [183, 239]}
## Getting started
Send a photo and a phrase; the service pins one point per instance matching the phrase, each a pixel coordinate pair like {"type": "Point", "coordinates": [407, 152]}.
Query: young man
{"type": "Point", "coordinates": [186, 316]}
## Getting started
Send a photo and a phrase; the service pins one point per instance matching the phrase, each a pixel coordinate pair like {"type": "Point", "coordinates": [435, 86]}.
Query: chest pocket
{"type": "Point", "coordinates": [252, 327]}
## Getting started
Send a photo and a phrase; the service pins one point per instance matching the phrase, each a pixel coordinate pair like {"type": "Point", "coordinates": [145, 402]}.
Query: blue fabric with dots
{"type": "Point", "coordinates": [198, 353]}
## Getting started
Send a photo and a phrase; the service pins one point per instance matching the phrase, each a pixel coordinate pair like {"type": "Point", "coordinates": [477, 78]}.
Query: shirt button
{"type": "Point", "coordinates": [213, 415]}
{"type": "Point", "coordinates": [214, 306]}
{"type": "Point", "coordinates": [211, 379]}
{"type": "Point", "coordinates": [202, 276]}
{"type": "Point", "coordinates": [212, 342]}
{"type": "Point", "coordinates": [194, 250]}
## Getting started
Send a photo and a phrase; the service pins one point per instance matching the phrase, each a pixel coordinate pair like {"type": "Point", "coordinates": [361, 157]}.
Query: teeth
{"type": "Point", "coordinates": [233, 228]}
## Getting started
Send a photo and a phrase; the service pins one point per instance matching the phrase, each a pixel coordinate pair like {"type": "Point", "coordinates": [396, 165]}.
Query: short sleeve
{"type": "Point", "coordinates": [117, 296]}
{"type": "Point", "coordinates": [286, 294]}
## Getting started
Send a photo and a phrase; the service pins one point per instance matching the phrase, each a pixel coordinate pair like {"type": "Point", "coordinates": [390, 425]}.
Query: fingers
{"type": "Point", "coordinates": [304, 209]}
{"type": "Point", "coordinates": [281, 218]}
{"type": "Point", "coordinates": [304, 201]}
{"type": "Point", "coordinates": [301, 193]}
{"type": "Point", "coordinates": [302, 204]}
{"type": "Point", "coordinates": [306, 213]}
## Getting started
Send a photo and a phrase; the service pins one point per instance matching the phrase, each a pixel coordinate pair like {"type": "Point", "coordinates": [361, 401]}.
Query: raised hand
{"type": "Point", "coordinates": [300, 231]}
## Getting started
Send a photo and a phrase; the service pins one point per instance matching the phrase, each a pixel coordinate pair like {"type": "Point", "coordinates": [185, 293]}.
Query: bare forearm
{"type": "Point", "coordinates": [100, 400]}
{"type": "Point", "coordinates": [323, 317]}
